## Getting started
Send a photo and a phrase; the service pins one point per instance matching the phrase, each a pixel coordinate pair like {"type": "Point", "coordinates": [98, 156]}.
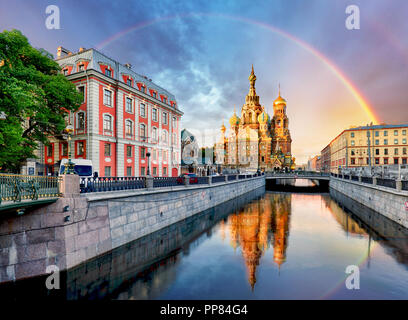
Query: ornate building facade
{"type": "Point", "coordinates": [256, 140]}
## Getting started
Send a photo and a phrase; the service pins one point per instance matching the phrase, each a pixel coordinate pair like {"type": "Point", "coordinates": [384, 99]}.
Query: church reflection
{"type": "Point", "coordinates": [258, 226]}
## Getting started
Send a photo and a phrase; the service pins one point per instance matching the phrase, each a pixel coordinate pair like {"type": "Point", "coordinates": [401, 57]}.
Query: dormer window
{"type": "Point", "coordinates": [154, 94]}
{"type": "Point", "coordinates": [108, 72]}
{"type": "Point", "coordinates": [81, 67]}
{"type": "Point", "coordinates": [65, 71]}
{"type": "Point", "coordinates": [129, 82]}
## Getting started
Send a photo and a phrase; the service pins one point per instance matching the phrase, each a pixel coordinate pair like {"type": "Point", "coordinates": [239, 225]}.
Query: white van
{"type": "Point", "coordinates": [82, 167]}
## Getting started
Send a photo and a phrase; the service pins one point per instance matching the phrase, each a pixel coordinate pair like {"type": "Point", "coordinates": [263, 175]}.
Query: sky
{"type": "Point", "coordinates": [202, 52]}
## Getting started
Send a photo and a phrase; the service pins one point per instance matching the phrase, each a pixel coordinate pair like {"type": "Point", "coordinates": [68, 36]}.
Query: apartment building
{"type": "Point", "coordinates": [123, 117]}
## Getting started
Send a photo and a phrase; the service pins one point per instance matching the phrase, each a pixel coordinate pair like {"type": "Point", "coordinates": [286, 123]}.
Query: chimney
{"type": "Point", "coordinates": [128, 65]}
{"type": "Point", "coordinates": [62, 52]}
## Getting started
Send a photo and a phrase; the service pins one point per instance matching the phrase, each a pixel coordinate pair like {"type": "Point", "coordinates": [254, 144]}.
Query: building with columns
{"type": "Point", "coordinates": [124, 115]}
{"type": "Point", "coordinates": [256, 140]}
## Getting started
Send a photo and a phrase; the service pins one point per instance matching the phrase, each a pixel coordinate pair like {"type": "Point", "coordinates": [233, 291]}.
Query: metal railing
{"type": "Point", "coordinates": [382, 182]}
{"type": "Point", "coordinates": [159, 182]}
{"type": "Point", "coordinates": [101, 184]}
{"type": "Point", "coordinates": [217, 179]}
{"type": "Point", "coordinates": [16, 187]}
{"type": "Point", "coordinates": [389, 183]}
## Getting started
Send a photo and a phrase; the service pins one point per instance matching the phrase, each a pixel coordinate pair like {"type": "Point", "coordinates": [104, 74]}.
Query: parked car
{"type": "Point", "coordinates": [193, 178]}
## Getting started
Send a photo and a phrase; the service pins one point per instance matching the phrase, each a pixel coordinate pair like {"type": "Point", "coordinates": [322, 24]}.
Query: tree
{"type": "Point", "coordinates": [34, 96]}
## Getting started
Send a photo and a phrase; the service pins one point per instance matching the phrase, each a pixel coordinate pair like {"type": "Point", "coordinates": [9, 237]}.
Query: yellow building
{"type": "Point", "coordinates": [375, 145]}
{"type": "Point", "coordinates": [256, 140]}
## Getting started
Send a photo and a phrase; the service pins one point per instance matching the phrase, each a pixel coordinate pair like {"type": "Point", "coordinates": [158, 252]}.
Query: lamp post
{"type": "Point", "coordinates": [69, 168]}
{"type": "Point", "coordinates": [148, 163]}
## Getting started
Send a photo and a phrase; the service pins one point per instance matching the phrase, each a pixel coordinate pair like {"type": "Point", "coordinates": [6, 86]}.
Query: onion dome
{"type": "Point", "coordinates": [223, 128]}
{"type": "Point", "coordinates": [263, 117]}
{"type": "Point", "coordinates": [279, 100]}
{"type": "Point", "coordinates": [234, 120]}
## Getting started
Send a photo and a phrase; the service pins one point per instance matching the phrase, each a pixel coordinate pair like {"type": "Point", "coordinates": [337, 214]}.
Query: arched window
{"type": "Point", "coordinates": [142, 131]}
{"type": "Point", "coordinates": [107, 122]}
{"type": "Point", "coordinates": [129, 128]}
{"type": "Point", "coordinates": [154, 134]}
{"type": "Point", "coordinates": [164, 137]}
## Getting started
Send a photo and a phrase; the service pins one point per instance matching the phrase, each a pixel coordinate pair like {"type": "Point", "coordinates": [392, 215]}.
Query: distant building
{"type": "Point", "coordinates": [123, 116]}
{"type": "Point", "coordinates": [257, 140]}
{"type": "Point", "coordinates": [314, 164]}
{"type": "Point", "coordinates": [190, 152]}
{"type": "Point", "coordinates": [375, 145]}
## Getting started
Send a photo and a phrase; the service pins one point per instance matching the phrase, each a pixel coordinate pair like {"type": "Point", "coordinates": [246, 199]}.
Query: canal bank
{"type": "Point", "coordinates": [277, 245]}
{"type": "Point", "coordinates": [79, 227]}
{"type": "Point", "coordinates": [390, 202]}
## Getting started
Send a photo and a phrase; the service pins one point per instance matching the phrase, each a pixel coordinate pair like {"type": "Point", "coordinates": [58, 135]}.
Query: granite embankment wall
{"type": "Point", "coordinates": [389, 202]}
{"type": "Point", "coordinates": [77, 227]}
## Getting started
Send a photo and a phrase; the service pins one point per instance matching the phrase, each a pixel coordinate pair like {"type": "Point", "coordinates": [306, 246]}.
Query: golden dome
{"type": "Point", "coordinates": [223, 127]}
{"type": "Point", "coordinates": [234, 120]}
{"type": "Point", "coordinates": [263, 117]}
{"type": "Point", "coordinates": [279, 100]}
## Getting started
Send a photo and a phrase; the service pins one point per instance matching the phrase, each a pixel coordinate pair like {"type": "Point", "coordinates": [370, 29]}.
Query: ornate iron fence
{"type": "Point", "coordinates": [232, 177]}
{"type": "Point", "coordinates": [354, 178]}
{"type": "Point", "coordinates": [101, 184]}
{"type": "Point", "coordinates": [404, 185]}
{"type": "Point", "coordinates": [367, 180]}
{"type": "Point", "coordinates": [159, 182]}
{"type": "Point", "coordinates": [217, 179]}
{"type": "Point", "coordinates": [202, 180]}
{"type": "Point", "coordinates": [389, 183]}
{"type": "Point", "coordinates": [15, 187]}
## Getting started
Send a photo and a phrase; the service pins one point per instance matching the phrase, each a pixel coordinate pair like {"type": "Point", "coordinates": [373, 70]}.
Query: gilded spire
{"type": "Point", "coordinates": [252, 78]}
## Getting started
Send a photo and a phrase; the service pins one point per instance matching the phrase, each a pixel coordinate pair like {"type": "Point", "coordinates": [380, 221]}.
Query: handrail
{"type": "Point", "coordinates": [17, 187]}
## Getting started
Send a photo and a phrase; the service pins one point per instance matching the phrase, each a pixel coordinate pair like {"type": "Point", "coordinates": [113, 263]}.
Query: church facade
{"type": "Point", "coordinates": [255, 140]}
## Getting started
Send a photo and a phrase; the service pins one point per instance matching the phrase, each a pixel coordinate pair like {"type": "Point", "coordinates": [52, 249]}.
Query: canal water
{"type": "Point", "coordinates": [266, 245]}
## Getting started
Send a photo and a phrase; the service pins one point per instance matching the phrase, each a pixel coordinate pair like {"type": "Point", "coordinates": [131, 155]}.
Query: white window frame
{"type": "Point", "coordinates": [131, 104]}
{"type": "Point", "coordinates": [154, 134]}
{"type": "Point", "coordinates": [140, 110]}
{"type": "Point", "coordinates": [142, 125]}
{"type": "Point", "coordinates": [155, 119]}
{"type": "Point", "coordinates": [104, 97]}
{"type": "Point", "coordinates": [77, 120]}
{"type": "Point", "coordinates": [111, 122]}
{"type": "Point", "coordinates": [165, 115]}
{"type": "Point", "coordinates": [127, 121]}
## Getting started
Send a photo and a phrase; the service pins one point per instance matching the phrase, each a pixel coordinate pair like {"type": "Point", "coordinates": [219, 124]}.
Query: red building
{"type": "Point", "coordinates": [124, 115]}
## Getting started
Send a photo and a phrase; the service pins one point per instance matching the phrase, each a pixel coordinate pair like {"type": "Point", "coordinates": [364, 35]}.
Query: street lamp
{"type": "Point", "coordinates": [148, 163]}
{"type": "Point", "coordinates": [69, 167]}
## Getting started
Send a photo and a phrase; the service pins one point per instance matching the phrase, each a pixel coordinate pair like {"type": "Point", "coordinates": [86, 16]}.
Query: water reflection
{"type": "Point", "coordinates": [262, 246]}
{"type": "Point", "coordinates": [258, 226]}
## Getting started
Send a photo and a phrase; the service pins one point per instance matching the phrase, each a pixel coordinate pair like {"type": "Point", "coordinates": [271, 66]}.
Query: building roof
{"type": "Point", "coordinates": [96, 57]}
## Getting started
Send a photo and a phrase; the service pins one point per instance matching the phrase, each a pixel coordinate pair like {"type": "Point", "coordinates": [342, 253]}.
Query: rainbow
{"type": "Point", "coordinates": [329, 64]}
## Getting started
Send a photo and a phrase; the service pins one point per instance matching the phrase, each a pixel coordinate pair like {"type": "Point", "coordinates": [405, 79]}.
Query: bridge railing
{"type": "Point", "coordinates": [16, 187]}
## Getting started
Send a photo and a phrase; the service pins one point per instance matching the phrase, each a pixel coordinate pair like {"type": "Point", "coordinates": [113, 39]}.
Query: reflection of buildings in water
{"type": "Point", "coordinates": [258, 225]}
{"type": "Point", "coordinates": [390, 235]}
{"type": "Point", "coordinates": [281, 209]}
{"type": "Point", "coordinates": [348, 224]}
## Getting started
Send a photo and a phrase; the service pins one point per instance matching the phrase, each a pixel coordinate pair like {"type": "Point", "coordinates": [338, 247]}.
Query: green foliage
{"type": "Point", "coordinates": [35, 97]}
